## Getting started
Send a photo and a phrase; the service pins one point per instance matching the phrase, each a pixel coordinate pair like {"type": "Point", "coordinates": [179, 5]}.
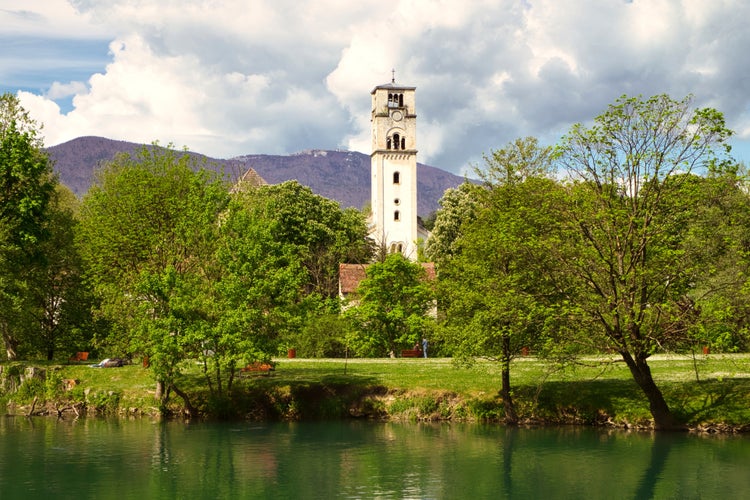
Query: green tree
{"type": "Point", "coordinates": [26, 184]}
{"type": "Point", "coordinates": [254, 296]}
{"type": "Point", "coordinates": [16, 120]}
{"type": "Point", "coordinates": [323, 234]}
{"type": "Point", "coordinates": [390, 311]}
{"type": "Point", "coordinates": [148, 229]}
{"type": "Point", "coordinates": [324, 335]}
{"type": "Point", "coordinates": [522, 159]}
{"type": "Point", "coordinates": [458, 207]}
{"type": "Point", "coordinates": [716, 218]}
{"type": "Point", "coordinates": [496, 290]}
{"type": "Point", "coordinates": [625, 255]}
{"type": "Point", "coordinates": [429, 221]}
{"type": "Point", "coordinates": [64, 302]}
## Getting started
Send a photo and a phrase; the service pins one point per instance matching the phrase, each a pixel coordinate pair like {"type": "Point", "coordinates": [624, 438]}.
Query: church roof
{"type": "Point", "coordinates": [392, 86]}
{"type": "Point", "coordinates": [429, 269]}
{"type": "Point", "coordinates": [350, 275]}
{"type": "Point", "coordinates": [249, 179]}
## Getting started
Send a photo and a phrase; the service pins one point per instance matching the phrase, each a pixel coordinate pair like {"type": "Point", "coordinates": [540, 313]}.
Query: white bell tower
{"type": "Point", "coordinates": [394, 168]}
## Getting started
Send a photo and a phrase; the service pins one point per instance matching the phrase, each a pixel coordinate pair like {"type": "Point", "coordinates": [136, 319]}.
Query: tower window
{"type": "Point", "coordinates": [398, 142]}
{"type": "Point", "coordinates": [397, 216]}
{"type": "Point", "coordinates": [397, 202]}
{"type": "Point", "coordinates": [396, 178]}
{"type": "Point", "coordinates": [395, 100]}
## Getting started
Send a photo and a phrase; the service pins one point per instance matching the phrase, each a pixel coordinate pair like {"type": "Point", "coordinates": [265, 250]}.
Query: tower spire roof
{"type": "Point", "coordinates": [392, 84]}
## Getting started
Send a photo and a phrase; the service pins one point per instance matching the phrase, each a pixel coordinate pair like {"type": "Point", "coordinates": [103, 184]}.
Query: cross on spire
{"type": "Point", "coordinates": [393, 75]}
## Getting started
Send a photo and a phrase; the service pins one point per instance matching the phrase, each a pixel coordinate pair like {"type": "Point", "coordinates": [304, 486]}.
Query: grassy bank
{"type": "Point", "coordinates": [595, 391]}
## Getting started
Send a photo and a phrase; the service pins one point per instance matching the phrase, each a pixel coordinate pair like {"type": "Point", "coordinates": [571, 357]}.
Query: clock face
{"type": "Point", "coordinates": [397, 115]}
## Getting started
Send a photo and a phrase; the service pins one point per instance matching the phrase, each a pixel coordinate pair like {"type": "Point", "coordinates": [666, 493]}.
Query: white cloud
{"type": "Point", "coordinates": [234, 77]}
{"type": "Point", "coordinates": [46, 18]}
{"type": "Point", "coordinates": [61, 90]}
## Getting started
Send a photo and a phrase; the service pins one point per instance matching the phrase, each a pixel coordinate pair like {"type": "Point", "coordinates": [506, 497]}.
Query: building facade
{"type": "Point", "coordinates": [394, 223]}
{"type": "Point", "coordinates": [394, 170]}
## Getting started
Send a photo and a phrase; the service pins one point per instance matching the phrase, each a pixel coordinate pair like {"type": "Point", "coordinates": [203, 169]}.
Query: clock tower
{"type": "Point", "coordinates": [394, 169]}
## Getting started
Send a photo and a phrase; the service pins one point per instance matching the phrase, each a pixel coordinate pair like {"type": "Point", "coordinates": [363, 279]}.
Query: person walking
{"type": "Point", "coordinates": [424, 347]}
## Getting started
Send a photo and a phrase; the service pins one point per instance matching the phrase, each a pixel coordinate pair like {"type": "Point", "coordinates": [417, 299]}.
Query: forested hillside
{"type": "Point", "coordinates": [343, 176]}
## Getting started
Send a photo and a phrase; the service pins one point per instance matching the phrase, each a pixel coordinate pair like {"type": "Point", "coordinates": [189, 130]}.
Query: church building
{"type": "Point", "coordinates": [394, 224]}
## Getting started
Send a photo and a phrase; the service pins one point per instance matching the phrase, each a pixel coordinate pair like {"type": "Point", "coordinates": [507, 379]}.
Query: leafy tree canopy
{"type": "Point", "coordinates": [391, 307]}
{"type": "Point", "coordinates": [625, 255]}
{"type": "Point", "coordinates": [323, 234]}
{"type": "Point", "coordinates": [26, 184]}
{"type": "Point", "coordinates": [148, 233]}
{"type": "Point", "coordinates": [496, 291]}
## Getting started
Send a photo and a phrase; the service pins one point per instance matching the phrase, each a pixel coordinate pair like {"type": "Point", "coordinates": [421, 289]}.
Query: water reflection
{"type": "Point", "coordinates": [511, 434]}
{"type": "Point", "coordinates": [660, 448]}
{"type": "Point", "coordinates": [142, 459]}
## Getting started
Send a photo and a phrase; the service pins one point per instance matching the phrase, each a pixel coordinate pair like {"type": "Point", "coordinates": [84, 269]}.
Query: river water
{"type": "Point", "coordinates": [139, 459]}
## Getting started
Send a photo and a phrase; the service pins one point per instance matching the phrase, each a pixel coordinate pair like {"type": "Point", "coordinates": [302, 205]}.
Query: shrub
{"type": "Point", "coordinates": [322, 337]}
{"type": "Point", "coordinates": [30, 388]}
{"type": "Point", "coordinates": [483, 409]}
{"type": "Point", "coordinates": [106, 403]}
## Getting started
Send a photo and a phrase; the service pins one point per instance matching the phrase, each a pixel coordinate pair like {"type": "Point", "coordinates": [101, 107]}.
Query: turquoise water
{"type": "Point", "coordinates": [139, 459]}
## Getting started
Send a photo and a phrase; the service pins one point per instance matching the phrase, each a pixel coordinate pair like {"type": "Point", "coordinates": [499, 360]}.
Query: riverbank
{"type": "Point", "coordinates": [707, 392]}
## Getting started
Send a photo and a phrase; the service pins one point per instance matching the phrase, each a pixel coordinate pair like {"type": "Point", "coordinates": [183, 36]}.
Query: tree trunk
{"type": "Point", "coordinates": [511, 418]}
{"type": "Point", "coordinates": [230, 380]}
{"type": "Point", "coordinates": [10, 351]}
{"type": "Point", "coordinates": [159, 393]}
{"type": "Point", "coordinates": [219, 388]}
{"type": "Point", "coordinates": [11, 344]}
{"type": "Point", "coordinates": [664, 420]}
{"type": "Point", "coordinates": [190, 410]}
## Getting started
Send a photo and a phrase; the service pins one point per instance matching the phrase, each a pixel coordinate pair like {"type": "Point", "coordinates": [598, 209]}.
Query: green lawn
{"type": "Point", "coordinates": [596, 389]}
{"type": "Point", "coordinates": [583, 392]}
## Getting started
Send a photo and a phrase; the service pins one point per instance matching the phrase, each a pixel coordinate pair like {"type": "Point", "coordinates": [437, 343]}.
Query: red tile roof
{"type": "Point", "coordinates": [350, 275]}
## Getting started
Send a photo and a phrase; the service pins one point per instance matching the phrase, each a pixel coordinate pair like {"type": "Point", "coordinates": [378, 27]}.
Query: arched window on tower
{"type": "Point", "coordinates": [396, 178]}
{"type": "Point", "coordinates": [395, 100]}
{"type": "Point", "coordinates": [403, 143]}
{"type": "Point", "coordinates": [388, 143]}
{"type": "Point", "coordinates": [396, 141]}
{"type": "Point", "coordinates": [396, 216]}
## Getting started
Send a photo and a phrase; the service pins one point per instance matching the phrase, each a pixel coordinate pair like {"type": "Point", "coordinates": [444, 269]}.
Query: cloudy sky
{"type": "Point", "coordinates": [232, 77]}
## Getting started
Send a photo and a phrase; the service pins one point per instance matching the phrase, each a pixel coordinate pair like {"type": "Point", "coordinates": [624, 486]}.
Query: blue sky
{"type": "Point", "coordinates": [56, 59]}
{"type": "Point", "coordinates": [234, 77]}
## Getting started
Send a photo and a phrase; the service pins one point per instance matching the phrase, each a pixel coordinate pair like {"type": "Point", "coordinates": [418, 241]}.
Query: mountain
{"type": "Point", "coordinates": [343, 176]}
{"type": "Point", "coordinates": [76, 161]}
